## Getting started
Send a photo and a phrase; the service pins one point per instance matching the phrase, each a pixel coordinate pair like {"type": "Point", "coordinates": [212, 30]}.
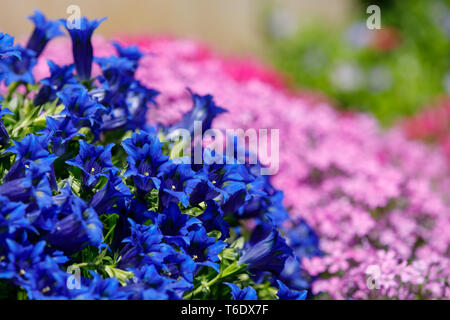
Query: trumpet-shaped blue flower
{"type": "Point", "coordinates": [142, 241]}
{"type": "Point", "coordinates": [60, 130]}
{"type": "Point", "coordinates": [78, 227]}
{"type": "Point", "coordinates": [177, 182]}
{"type": "Point", "coordinates": [266, 251]}
{"type": "Point", "coordinates": [104, 199]}
{"type": "Point", "coordinates": [7, 48]}
{"type": "Point", "coordinates": [204, 109]}
{"type": "Point", "coordinates": [284, 293]}
{"type": "Point", "coordinates": [59, 77]}
{"type": "Point", "coordinates": [82, 46]}
{"type": "Point", "coordinates": [84, 110]}
{"type": "Point", "coordinates": [44, 31]}
{"type": "Point", "coordinates": [144, 160]}
{"type": "Point", "coordinates": [212, 219]}
{"type": "Point", "coordinates": [12, 218]}
{"type": "Point", "coordinates": [174, 225]}
{"type": "Point", "coordinates": [237, 293]}
{"type": "Point", "coordinates": [94, 162]}
{"type": "Point", "coordinates": [203, 249]}
{"type": "Point", "coordinates": [131, 53]}
{"type": "Point", "coordinates": [14, 69]}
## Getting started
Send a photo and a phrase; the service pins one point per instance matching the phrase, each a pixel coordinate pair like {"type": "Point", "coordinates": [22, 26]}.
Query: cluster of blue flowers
{"type": "Point", "coordinates": [92, 207]}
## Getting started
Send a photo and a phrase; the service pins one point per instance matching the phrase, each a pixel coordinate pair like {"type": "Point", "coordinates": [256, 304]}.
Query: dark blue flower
{"type": "Point", "coordinates": [7, 48]}
{"type": "Point", "coordinates": [104, 199]}
{"type": "Point", "coordinates": [177, 182]}
{"type": "Point", "coordinates": [22, 259]}
{"type": "Point", "coordinates": [204, 110]}
{"type": "Point", "coordinates": [79, 225]}
{"type": "Point", "coordinates": [59, 77]}
{"type": "Point", "coordinates": [44, 31]}
{"type": "Point", "coordinates": [12, 218]}
{"type": "Point", "coordinates": [61, 130]}
{"type": "Point", "coordinates": [31, 149]}
{"type": "Point", "coordinates": [131, 53]}
{"type": "Point", "coordinates": [84, 110]}
{"type": "Point", "coordinates": [305, 243]}
{"type": "Point", "coordinates": [142, 241]}
{"type": "Point", "coordinates": [94, 162]}
{"type": "Point", "coordinates": [148, 284]}
{"type": "Point", "coordinates": [204, 249]}
{"type": "Point", "coordinates": [4, 137]}
{"type": "Point", "coordinates": [82, 46]}
{"type": "Point", "coordinates": [144, 160]}
{"type": "Point", "coordinates": [34, 188]}
{"type": "Point", "coordinates": [237, 293]}
{"type": "Point", "coordinates": [217, 179]}
{"type": "Point", "coordinates": [302, 238]}
{"type": "Point", "coordinates": [46, 280]}
{"type": "Point", "coordinates": [284, 293]}
{"type": "Point", "coordinates": [212, 219]}
{"type": "Point", "coordinates": [138, 99]}
{"type": "Point", "coordinates": [265, 251]}
{"type": "Point", "coordinates": [98, 288]}
{"type": "Point", "coordinates": [174, 225]}
{"type": "Point", "coordinates": [14, 69]}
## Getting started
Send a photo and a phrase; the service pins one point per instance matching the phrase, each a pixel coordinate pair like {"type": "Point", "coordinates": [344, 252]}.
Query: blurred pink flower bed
{"type": "Point", "coordinates": [374, 197]}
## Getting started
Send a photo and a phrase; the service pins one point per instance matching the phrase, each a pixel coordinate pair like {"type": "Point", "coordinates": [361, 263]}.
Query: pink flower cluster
{"type": "Point", "coordinates": [379, 202]}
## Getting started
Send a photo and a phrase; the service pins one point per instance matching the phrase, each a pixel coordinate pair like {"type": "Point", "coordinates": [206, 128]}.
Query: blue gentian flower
{"type": "Point", "coordinates": [144, 159]}
{"type": "Point", "coordinates": [265, 251]}
{"type": "Point", "coordinates": [47, 281]}
{"type": "Point", "coordinates": [22, 259]}
{"type": "Point", "coordinates": [302, 238]}
{"type": "Point", "coordinates": [78, 227]}
{"type": "Point", "coordinates": [44, 31]}
{"type": "Point", "coordinates": [174, 225]}
{"type": "Point", "coordinates": [131, 53]}
{"type": "Point", "coordinates": [150, 285]}
{"type": "Point", "coordinates": [138, 99]}
{"type": "Point", "coordinates": [217, 179]}
{"type": "Point", "coordinates": [12, 218]}
{"type": "Point", "coordinates": [7, 48]}
{"type": "Point", "coordinates": [19, 70]}
{"type": "Point", "coordinates": [61, 130]}
{"type": "Point", "coordinates": [4, 137]}
{"type": "Point", "coordinates": [142, 241]}
{"type": "Point", "coordinates": [94, 162]}
{"type": "Point", "coordinates": [84, 110]}
{"type": "Point", "coordinates": [212, 219]}
{"type": "Point", "coordinates": [59, 77]}
{"type": "Point", "coordinates": [82, 46]}
{"type": "Point", "coordinates": [33, 188]}
{"type": "Point", "coordinates": [204, 110]}
{"type": "Point", "coordinates": [98, 288]}
{"type": "Point", "coordinates": [176, 265]}
{"type": "Point", "coordinates": [284, 293]}
{"type": "Point", "coordinates": [177, 182]}
{"type": "Point", "coordinates": [31, 148]}
{"type": "Point", "coordinates": [237, 293]}
{"type": "Point", "coordinates": [203, 249]}
{"type": "Point", "coordinates": [305, 243]}
{"type": "Point", "coordinates": [104, 199]}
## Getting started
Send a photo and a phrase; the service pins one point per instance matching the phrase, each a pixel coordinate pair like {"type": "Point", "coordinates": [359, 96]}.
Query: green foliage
{"type": "Point", "coordinates": [388, 83]}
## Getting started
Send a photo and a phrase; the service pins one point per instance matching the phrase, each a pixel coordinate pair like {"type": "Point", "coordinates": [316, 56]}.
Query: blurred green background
{"type": "Point", "coordinates": [391, 72]}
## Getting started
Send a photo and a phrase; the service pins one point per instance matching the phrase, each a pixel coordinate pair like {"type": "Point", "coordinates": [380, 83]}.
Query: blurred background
{"type": "Point", "coordinates": [320, 45]}
{"type": "Point", "coordinates": [230, 25]}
